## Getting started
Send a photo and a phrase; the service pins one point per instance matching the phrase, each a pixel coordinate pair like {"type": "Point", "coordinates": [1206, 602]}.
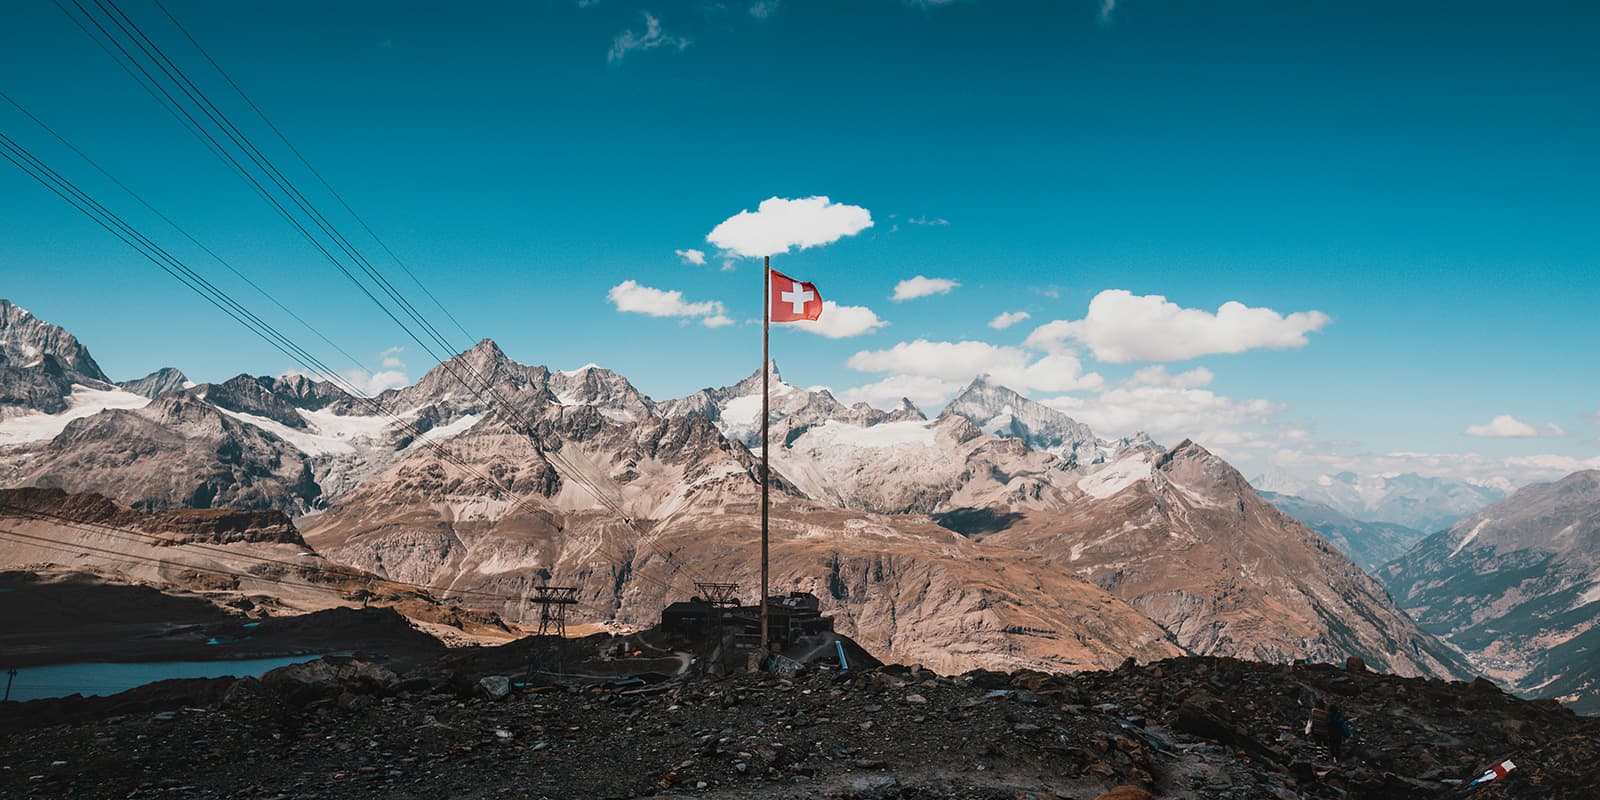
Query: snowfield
{"type": "Point", "coordinates": [885, 434]}
{"type": "Point", "coordinates": [330, 433]}
{"type": "Point", "coordinates": [36, 426]}
{"type": "Point", "coordinates": [1116, 476]}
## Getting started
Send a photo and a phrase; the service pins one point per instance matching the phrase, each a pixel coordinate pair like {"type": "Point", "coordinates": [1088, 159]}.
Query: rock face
{"type": "Point", "coordinates": [166, 379]}
{"type": "Point", "coordinates": [1370, 544]}
{"type": "Point", "coordinates": [1417, 502]}
{"type": "Point", "coordinates": [1001, 412]}
{"type": "Point", "coordinates": [40, 363]}
{"type": "Point", "coordinates": [1184, 539]}
{"type": "Point", "coordinates": [175, 452]}
{"type": "Point", "coordinates": [1517, 587]}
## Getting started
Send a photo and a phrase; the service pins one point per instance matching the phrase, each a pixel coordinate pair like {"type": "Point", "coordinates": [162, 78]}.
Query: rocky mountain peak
{"type": "Point", "coordinates": [906, 410]}
{"type": "Point", "coordinates": [166, 379]}
{"type": "Point", "coordinates": [1003, 412]}
{"type": "Point", "coordinates": [27, 341]}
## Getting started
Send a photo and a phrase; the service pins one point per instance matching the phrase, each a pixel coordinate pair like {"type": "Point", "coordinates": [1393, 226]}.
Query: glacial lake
{"type": "Point", "coordinates": [95, 678]}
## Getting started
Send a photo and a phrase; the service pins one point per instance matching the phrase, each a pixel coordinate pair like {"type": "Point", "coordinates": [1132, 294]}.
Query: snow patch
{"type": "Point", "coordinates": [579, 370]}
{"type": "Point", "coordinates": [1472, 534]}
{"type": "Point", "coordinates": [329, 433]}
{"type": "Point", "coordinates": [1115, 477]}
{"type": "Point", "coordinates": [916, 433]}
{"type": "Point", "coordinates": [442, 432]}
{"type": "Point", "coordinates": [1589, 596]}
{"type": "Point", "coordinates": [37, 426]}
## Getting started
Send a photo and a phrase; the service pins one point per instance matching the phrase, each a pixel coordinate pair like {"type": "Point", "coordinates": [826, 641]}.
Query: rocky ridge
{"type": "Point", "coordinates": [1186, 729]}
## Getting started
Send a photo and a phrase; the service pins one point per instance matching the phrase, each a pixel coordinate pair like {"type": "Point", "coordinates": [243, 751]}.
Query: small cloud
{"type": "Point", "coordinates": [1007, 319]}
{"type": "Point", "coordinates": [588, 3]}
{"type": "Point", "coordinates": [1158, 376]}
{"type": "Point", "coordinates": [841, 322]}
{"type": "Point", "coordinates": [1121, 327]}
{"type": "Point", "coordinates": [631, 297]}
{"type": "Point", "coordinates": [928, 221]}
{"type": "Point", "coordinates": [1107, 9]}
{"type": "Point", "coordinates": [391, 357]}
{"type": "Point", "coordinates": [692, 256]}
{"type": "Point", "coordinates": [912, 288]}
{"type": "Point", "coordinates": [1506, 426]}
{"type": "Point", "coordinates": [761, 9]}
{"type": "Point", "coordinates": [1052, 292]}
{"type": "Point", "coordinates": [651, 38]}
{"type": "Point", "coordinates": [779, 224]}
{"type": "Point", "coordinates": [962, 361]}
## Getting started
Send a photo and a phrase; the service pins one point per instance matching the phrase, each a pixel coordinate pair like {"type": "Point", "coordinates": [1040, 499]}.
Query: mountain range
{"type": "Point", "coordinates": [1421, 503]}
{"type": "Point", "coordinates": [1000, 534]}
{"type": "Point", "coordinates": [1370, 544]}
{"type": "Point", "coordinates": [1517, 587]}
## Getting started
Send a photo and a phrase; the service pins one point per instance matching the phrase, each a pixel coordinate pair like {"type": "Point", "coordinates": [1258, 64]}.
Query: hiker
{"type": "Point", "coordinates": [1328, 726]}
{"type": "Point", "coordinates": [1338, 730]}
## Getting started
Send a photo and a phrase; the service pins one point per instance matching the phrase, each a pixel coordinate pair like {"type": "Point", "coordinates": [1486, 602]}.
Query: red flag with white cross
{"type": "Point", "coordinates": [792, 300]}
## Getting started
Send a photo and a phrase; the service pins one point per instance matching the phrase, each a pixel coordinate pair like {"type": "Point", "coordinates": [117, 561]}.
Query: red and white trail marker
{"type": "Point", "coordinates": [1495, 772]}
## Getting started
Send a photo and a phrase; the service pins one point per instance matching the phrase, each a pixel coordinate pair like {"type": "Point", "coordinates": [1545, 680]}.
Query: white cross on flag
{"type": "Point", "coordinates": [793, 300]}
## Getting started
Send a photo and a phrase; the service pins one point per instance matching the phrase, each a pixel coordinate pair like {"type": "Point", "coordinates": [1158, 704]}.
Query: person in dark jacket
{"type": "Point", "coordinates": [1338, 731]}
{"type": "Point", "coordinates": [1329, 727]}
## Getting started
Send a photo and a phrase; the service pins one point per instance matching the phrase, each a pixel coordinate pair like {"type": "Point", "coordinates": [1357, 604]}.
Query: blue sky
{"type": "Point", "coordinates": [1423, 174]}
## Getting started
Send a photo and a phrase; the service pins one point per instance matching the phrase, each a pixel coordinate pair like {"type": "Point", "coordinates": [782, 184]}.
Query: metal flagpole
{"type": "Point", "coordinates": [766, 371]}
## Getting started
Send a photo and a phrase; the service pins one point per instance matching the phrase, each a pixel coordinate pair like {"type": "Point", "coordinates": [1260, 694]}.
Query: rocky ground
{"type": "Point", "coordinates": [1182, 728]}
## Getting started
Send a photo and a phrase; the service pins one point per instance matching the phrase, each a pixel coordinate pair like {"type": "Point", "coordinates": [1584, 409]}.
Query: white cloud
{"type": "Point", "coordinates": [926, 392]}
{"type": "Point", "coordinates": [1122, 327]}
{"type": "Point", "coordinates": [375, 382]}
{"type": "Point", "coordinates": [1107, 9]}
{"type": "Point", "coordinates": [761, 9]}
{"type": "Point", "coordinates": [391, 358]}
{"type": "Point", "coordinates": [629, 296]}
{"type": "Point", "coordinates": [368, 383]}
{"type": "Point", "coordinates": [1506, 426]}
{"type": "Point", "coordinates": [1173, 407]}
{"type": "Point", "coordinates": [1007, 319]}
{"type": "Point", "coordinates": [779, 224]}
{"type": "Point", "coordinates": [652, 37]}
{"type": "Point", "coordinates": [963, 361]}
{"type": "Point", "coordinates": [692, 256]}
{"type": "Point", "coordinates": [840, 322]}
{"type": "Point", "coordinates": [1475, 468]}
{"type": "Point", "coordinates": [921, 220]}
{"type": "Point", "coordinates": [912, 288]}
{"type": "Point", "coordinates": [1158, 376]}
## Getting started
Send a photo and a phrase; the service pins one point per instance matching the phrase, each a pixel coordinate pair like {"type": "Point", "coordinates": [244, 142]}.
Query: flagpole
{"type": "Point", "coordinates": [766, 371]}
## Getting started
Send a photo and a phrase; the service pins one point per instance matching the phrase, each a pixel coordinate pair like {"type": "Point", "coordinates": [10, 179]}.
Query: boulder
{"type": "Point", "coordinates": [311, 681]}
{"type": "Point", "coordinates": [494, 687]}
{"type": "Point", "coordinates": [305, 682]}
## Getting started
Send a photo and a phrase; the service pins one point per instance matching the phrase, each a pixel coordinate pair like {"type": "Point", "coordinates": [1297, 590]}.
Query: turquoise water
{"type": "Point", "coordinates": [60, 680]}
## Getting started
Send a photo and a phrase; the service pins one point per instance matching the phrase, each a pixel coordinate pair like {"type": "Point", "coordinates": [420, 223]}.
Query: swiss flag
{"type": "Point", "coordinates": [792, 300]}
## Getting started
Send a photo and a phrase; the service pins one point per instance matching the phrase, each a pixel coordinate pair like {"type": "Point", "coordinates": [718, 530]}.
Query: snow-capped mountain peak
{"type": "Point", "coordinates": [1002, 412]}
